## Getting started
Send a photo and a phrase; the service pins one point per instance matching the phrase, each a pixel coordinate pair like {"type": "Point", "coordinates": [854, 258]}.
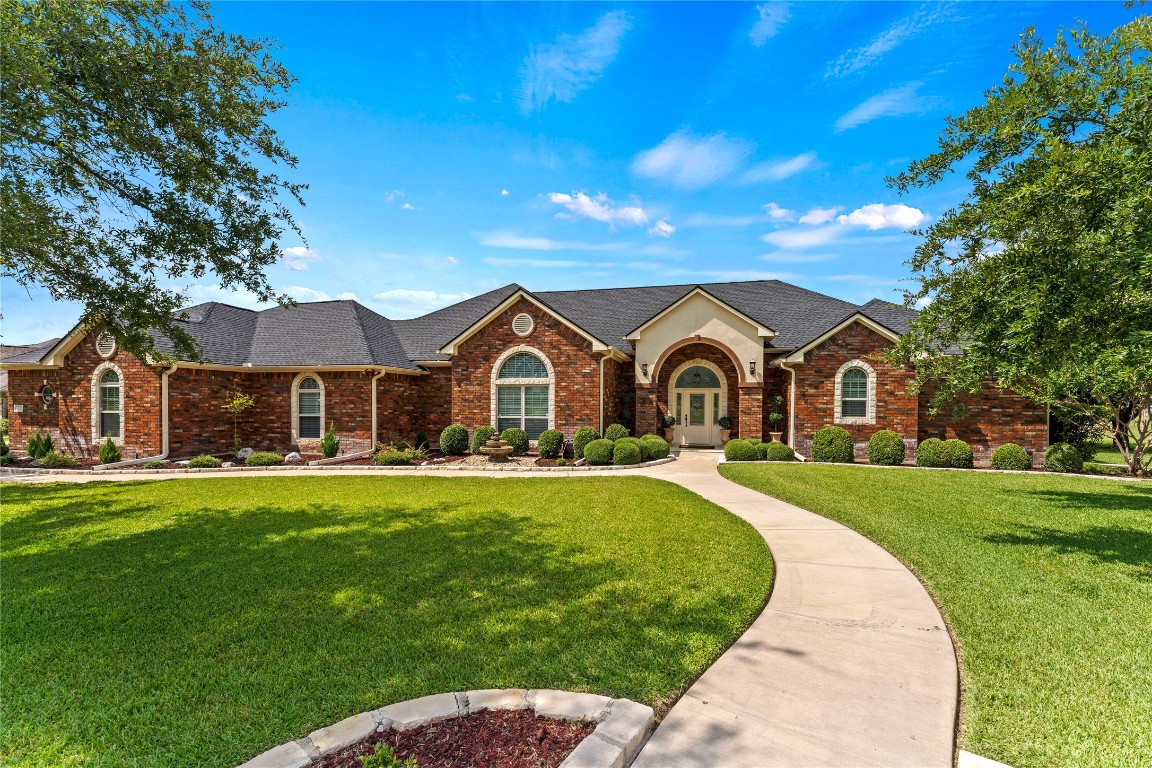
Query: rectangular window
{"type": "Point", "coordinates": [524, 408]}
{"type": "Point", "coordinates": [110, 425]}
{"type": "Point", "coordinates": [679, 411]}
{"type": "Point", "coordinates": [715, 407]}
{"type": "Point", "coordinates": [310, 415]}
{"type": "Point", "coordinates": [853, 408]}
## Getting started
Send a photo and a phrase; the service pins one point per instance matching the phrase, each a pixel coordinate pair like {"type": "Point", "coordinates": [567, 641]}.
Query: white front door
{"type": "Point", "coordinates": [697, 419]}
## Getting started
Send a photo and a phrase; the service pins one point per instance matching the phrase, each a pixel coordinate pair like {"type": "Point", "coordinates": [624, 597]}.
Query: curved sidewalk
{"type": "Point", "coordinates": [850, 664]}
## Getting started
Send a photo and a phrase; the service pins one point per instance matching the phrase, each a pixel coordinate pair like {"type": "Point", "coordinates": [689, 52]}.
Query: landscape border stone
{"type": "Point", "coordinates": [622, 725]}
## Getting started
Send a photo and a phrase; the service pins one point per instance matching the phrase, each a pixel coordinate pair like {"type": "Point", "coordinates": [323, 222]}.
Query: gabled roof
{"type": "Point", "coordinates": [699, 290]}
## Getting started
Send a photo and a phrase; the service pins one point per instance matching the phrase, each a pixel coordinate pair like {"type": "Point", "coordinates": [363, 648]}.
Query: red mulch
{"type": "Point", "coordinates": [547, 462]}
{"type": "Point", "coordinates": [366, 461]}
{"type": "Point", "coordinates": [486, 739]}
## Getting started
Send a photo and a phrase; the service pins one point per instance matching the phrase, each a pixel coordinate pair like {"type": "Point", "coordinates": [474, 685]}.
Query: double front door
{"type": "Point", "coordinates": [698, 412]}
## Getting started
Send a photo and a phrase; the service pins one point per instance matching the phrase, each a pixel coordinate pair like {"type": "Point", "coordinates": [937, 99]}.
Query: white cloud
{"type": "Point", "coordinates": [392, 196]}
{"type": "Point", "coordinates": [347, 296]}
{"type": "Point", "coordinates": [775, 170]}
{"type": "Point", "coordinates": [504, 193]}
{"type": "Point", "coordinates": [399, 301]}
{"type": "Point", "coordinates": [302, 293]}
{"type": "Point", "coordinates": [298, 258]}
{"type": "Point", "coordinates": [558, 71]}
{"type": "Point", "coordinates": [408, 207]}
{"type": "Point", "coordinates": [661, 229]}
{"type": "Point", "coordinates": [880, 216]}
{"type": "Point", "coordinates": [801, 238]}
{"type": "Point", "coordinates": [820, 215]}
{"type": "Point", "coordinates": [786, 257]}
{"type": "Point", "coordinates": [776, 213]}
{"type": "Point", "coordinates": [867, 55]}
{"type": "Point", "coordinates": [198, 293]}
{"type": "Point", "coordinates": [891, 103]}
{"type": "Point", "coordinates": [537, 263]}
{"type": "Point", "coordinates": [770, 17]}
{"type": "Point", "coordinates": [426, 260]}
{"type": "Point", "coordinates": [526, 243]}
{"type": "Point", "coordinates": [691, 162]}
{"type": "Point", "coordinates": [600, 209]}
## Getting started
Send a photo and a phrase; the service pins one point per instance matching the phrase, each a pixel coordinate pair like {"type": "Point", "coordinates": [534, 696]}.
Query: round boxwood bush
{"type": "Point", "coordinates": [959, 453]}
{"type": "Point", "coordinates": [599, 451]}
{"type": "Point", "coordinates": [887, 448]}
{"type": "Point", "coordinates": [932, 453]}
{"type": "Point", "coordinates": [454, 440]}
{"type": "Point", "coordinates": [1011, 456]}
{"type": "Point", "coordinates": [550, 443]}
{"type": "Point", "coordinates": [209, 462]}
{"type": "Point", "coordinates": [833, 444]}
{"type": "Point", "coordinates": [658, 447]}
{"type": "Point", "coordinates": [481, 436]}
{"type": "Point", "coordinates": [740, 450]}
{"type": "Point", "coordinates": [615, 432]}
{"type": "Point", "coordinates": [263, 459]}
{"type": "Point", "coordinates": [517, 438]}
{"type": "Point", "coordinates": [645, 451]}
{"type": "Point", "coordinates": [626, 450]}
{"type": "Point", "coordinates": [583, 436]}
{"type": "Point", "coordinates": [1063, 457]}
{"type": "Point", "coordinates": [779, 452]}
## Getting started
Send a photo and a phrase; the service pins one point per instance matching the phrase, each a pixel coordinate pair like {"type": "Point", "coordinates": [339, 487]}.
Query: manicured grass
{"type": "Point", "coordinates": [1106, 453]}
{"type": "Point", "coordinates": [1046, 582]}
{"type": "Point", "coordinates": [199, 622]}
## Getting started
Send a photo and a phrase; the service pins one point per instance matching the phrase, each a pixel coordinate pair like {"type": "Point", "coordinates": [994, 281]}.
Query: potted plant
{"type": "Point", "coordinates": [669, 423]}
{"type": "Point", "coordinates": [725, 424]}
{"type": "Point", "coordinates": [776, 416]}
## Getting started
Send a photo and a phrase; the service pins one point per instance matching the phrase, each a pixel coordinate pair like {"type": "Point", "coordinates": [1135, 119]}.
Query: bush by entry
{"type": "Point", "coordinates": [197, 622]}
{"type": "Point", "coordinates": [1045, 581]}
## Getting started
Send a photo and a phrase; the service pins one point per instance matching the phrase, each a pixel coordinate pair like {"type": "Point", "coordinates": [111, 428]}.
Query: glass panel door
{"type": "Point", "coordinates": [696, 409]}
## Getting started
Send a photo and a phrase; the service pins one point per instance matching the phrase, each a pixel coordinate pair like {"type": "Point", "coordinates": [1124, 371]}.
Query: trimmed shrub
{"type": "Point", "coordinates": [1063, 457]}
{"type": "Point", "coordinates": [156, 465]}
{"type": "Point", "coordinates": [52, 459]}
{"type": "Point", "coordinates": [583, 436]}
{"type": "Point", "coordinates": [762, 451]}
{"type": "Point", "coordinates": [780, 452]}
{"type": "Point", "coordinates": [833, 444]}
{"type": "Point", "coordinates": [886, 448]}
{"type": "Point", "coordinates": [1011, 456]}
{"type": "Point", "coordinates": [454, 440]}
{"type": "Point", "coordinates": [658, 447]}
{"type": "Point", "coordinates": [393, 458]}
{"type": "Point", "coordinates": [616, 431]}
{"type": "Point", "coordinates": [109, 453]}
{"type": "Point", "coordinates": [645, 451]}
{"type": "Point", "coordinates": [561, 462]}
{"type": "Point", "coordinates": [40, 445]}
{"type": "Point", "coordinates": [481, 436]}
{"type": "Point", "coordinates": [6, 459]}
{"type": "Point", "coordinates": [724, 422]}
{"type": "Point", "coordinates": [550, 443]}
{"type": "Point", "coordinates": [959, 453]}
{"type": "Point", "coordinates": [932, 453]}
{"type": "Point", "coordinates": [264, 459]}
{"type": "Point", "coordinates": [207, 462]}
{"type": "Point", "coordinates": [626, 450]}
{"type": "Point", "coordinates": [330, 445]}
{"type": "Point", "coordinates": [517, 438]}
{"type": "Point", "coordinates": [740, 450]}
{"type": "Point", "coordinates": [599, 451]}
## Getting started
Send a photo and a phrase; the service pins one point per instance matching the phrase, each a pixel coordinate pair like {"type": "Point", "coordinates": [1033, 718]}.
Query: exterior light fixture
{"type": "Point", "coordinates": [644, 369]}
{"type": "Point", "coordinates": [752, 367]}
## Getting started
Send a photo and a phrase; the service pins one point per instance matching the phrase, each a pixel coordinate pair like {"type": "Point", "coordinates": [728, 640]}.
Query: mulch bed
{"type": "Point", "coordinates": [486, 739]}
{"type": "Point", "coordinates": [366, 461]}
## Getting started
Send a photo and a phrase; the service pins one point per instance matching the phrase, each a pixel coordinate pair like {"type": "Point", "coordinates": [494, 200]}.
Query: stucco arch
{"type": "Point", "coordinates": [741, 373]}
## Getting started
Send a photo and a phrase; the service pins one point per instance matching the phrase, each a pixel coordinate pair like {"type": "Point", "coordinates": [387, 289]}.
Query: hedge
{"type": "Point", "coordinates": [740, 450]}
{"type": "Point", "coordinates": [886, 448]}
{"type": "Point", "coordinates": [615, 432]}
{"type": "Point", "coordinates": [932, 453]}
{"type": "Point", "coordinates": [550, 443]}
{"type": "Point", "coordinates": [454, 440]}
{"type": "Point", "coordinates": [626, 450]}
{"type": "Point", "coordinates": [599, 451]}
{"type": "Point", "coordinates": [657, 446]}
{"type": "Point", "coordinates": [1011, 456]}
{"type": "Point", "coordinates": [959, 454]}
{"type": "Point", "coordinates": [780, 452]}
{"type": "Point", "coordinates": [645, 451]}
{"type": "Point", "coordinates": [583, 436]}
{"type": "Point", "coordinates": [517, 438]}
{"type": "Point", "coordinates": [481, 436]}
{"type": "Point", "coordinates": [833, 444]}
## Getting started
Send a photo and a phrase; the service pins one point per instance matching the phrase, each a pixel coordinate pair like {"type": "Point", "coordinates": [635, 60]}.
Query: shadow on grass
{"type": "Point", "coordinates": [1106, 544]}
{"type": "Point", "coordinates": [1130, 497]}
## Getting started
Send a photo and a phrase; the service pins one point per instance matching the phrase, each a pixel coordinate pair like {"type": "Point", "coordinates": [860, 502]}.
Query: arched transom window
{"type": "Point", "coordinates": [523, 390]}
{"type": "Point", "coordinates": [111, 405]}
{"type": "Point", "coordinates": [309, 408]}
{"type": "Point", "coordinates": [855, 393]}
{"type": "Point", "coordinates": [698, 377]}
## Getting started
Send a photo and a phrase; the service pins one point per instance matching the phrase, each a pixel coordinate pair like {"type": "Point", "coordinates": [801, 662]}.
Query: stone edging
{"type": "Point", "coordinates": [622, 725]}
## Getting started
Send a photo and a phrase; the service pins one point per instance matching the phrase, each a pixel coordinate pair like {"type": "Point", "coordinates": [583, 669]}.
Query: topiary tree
{"type": "Point", "coordinates": [481, 436]}
{"type": "Point", "coordinates": [583, 436]}
{"type": "Point", "coordinates": [626, 450]}
{"type": "Point", "coordinates": [550, 443]}
{"type": "Point", "coordinates": [517, 438]}
{"type": "Point", "coordinates": [615, 432]}
{"type": "Point", "coordinates": [330, 444]}
{"type": "Point", "coordinates": [1063, 457]}
{"type": "Point", "coordinates": [932, 453]}
{"type": "Point", "coordinates": [109, 453]}
{"type": "Point", "coordinates": [1011, 456]}
{"type": "Point", "coordinates": [740, 450]}
{"type": "Point", "coordinates": [236, 403]}
{"type": "Point", "coordinates": [780, 452]}
{"type": "Point", "coordinates": [599, 451]}
{"type": "Point", "coordinates": [959, 454]}
{"type": "Point", "coordinates": [886, 448]}
{"type": "Point", "coordinates": [454, 440]}
{"type": "Point", "coordinates": [834, 445]}
{"type": "Point", "coordinates": [658, 447]}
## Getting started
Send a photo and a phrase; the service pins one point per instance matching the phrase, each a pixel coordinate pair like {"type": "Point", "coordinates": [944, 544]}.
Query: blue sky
{"type": "Point", "coordinates": [454, 148]}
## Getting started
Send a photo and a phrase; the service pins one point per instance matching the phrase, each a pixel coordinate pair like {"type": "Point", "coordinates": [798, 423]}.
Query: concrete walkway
{"type": "Point", "coordinates": [850, 664]}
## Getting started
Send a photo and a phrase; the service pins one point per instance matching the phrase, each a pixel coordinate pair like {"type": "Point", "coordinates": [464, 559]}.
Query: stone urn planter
{"type": "Point", "coordinates": [777, 437]}
{"type": "Point", "coordinates": [725, 424]}
{"type": "Point", "coordinates": [724, 436]}
{"type": "Point", "coordinates": [670, 434]}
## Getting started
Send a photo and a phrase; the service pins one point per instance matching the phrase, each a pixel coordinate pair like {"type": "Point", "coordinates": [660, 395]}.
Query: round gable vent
{"type": "Point", "coordinates": [522, 324]}
{"type": "Point", "coordinates": [105, 345]}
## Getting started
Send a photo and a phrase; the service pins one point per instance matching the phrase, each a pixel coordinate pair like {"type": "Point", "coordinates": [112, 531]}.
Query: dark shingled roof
{"type": "Point", "coordinates": [422, 336]}
{"type": "Point", "coordinates": [25, 353]}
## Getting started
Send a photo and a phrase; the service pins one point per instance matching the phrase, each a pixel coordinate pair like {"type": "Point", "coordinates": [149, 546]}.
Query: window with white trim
{"type": "Point", "coordinates": [110, 401]}
{"type": "Point", "coordinates": [854, 394]}
{"type": "Point", "coordinates": [522, 394]}
{"type": "Point", "coordinates": [309, 408]}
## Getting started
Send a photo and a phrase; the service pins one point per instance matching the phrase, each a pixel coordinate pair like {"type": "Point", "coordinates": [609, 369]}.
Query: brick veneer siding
{"type": "Point", "coordinates": [68, 419]}
{"type": "Point", "coordinates": [620, 398]}
{"type": "Point", "coordinates": [577, 368]}
{"type": "Point", "coordinates": [988, 420]}
{"type": "Point", "coordinates": [896, 409]}
{"type": "Point", "coordinates": [776, 382]}
{"type": "Point", "coordinates": [403, 404]}
{"type": "Point", "coordinates": [751, 421]}
{"type": "Point", "coordinates": [713, 355]}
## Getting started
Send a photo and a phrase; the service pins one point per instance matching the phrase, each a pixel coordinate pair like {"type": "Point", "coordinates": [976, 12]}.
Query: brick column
{"type": "Point", "coordinates": [751, 421]}
{"type": "Point", "coordinates": [646, 411]}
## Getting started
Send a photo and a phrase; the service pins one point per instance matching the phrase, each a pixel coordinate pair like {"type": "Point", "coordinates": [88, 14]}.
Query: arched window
{"type": "Point", "coordinates": [111, 405]}
{"type": "Point", "coordinates": [855, 393]}
{"type": "Point", "coordinates": [309, 408]}
{"type": "Point", "coordinates": [523, 394]}
{"type": "Point", "coordinates": [698, 377]}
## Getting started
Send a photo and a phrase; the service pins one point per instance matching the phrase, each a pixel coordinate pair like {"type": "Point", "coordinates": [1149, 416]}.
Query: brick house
{"type": "Point", "coordinates": [510, 357]}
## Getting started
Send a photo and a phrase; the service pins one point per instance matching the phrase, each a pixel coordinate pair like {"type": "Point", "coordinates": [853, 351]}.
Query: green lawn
{"type": "Point", "coordinates": [199, 622]}
{"type": "Point", "coordinates": [1046, 582]}
{"type": "Point", "coordinates": [1107, 453]}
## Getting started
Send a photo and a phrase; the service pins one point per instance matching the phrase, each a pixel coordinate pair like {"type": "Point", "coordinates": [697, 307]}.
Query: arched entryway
{"type": "Point", "coordinates": [698, 398]}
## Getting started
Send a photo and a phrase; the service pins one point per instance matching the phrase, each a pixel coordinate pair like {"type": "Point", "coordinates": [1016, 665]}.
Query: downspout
{"type": "Point", "coordinates": [163, 427]}
{"type": "Point", "coordinates": [375, 378]}
{"type": "Point", "coordinates": [791, 406]}
{"type": "Point", "coordinates": [602, 359]}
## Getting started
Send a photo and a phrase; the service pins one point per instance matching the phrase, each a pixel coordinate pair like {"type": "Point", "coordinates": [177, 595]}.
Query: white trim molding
{"type": "Point", "coordinates": [296, 406]}
{"type": "Point", "coordinates": [453, 346]}
{"type": "Point", "coordinates": [798, 355]}
{"type": "Point", "coordinates": [761, 330]}
{"type": "Point", "coordinates": [496, 381]}
{"type": "Point", "coordinates": [870, 417]}
{"type": "Point", "coordinates": [97, 374]}
{"type": "Point", "coordinates": [672, 388]}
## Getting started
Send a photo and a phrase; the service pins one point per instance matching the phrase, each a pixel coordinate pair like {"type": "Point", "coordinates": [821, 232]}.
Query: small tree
{"type": "Point", "coordinates": [330, 444]}
{"type": "Point", "coordinates": [236, 403]}
{"type": "Point", "coordinates": [109, 453]}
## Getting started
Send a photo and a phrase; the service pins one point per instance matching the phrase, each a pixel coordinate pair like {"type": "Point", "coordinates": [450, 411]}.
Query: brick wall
{"type": "Point", "coordinates": [712, 355]}
{"type": "Point", "coordinates": [988, 420]}
{"type": "Point", "coordinates": [776, 382]}
{"type": "Point", "coordinates": [620, 404]}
